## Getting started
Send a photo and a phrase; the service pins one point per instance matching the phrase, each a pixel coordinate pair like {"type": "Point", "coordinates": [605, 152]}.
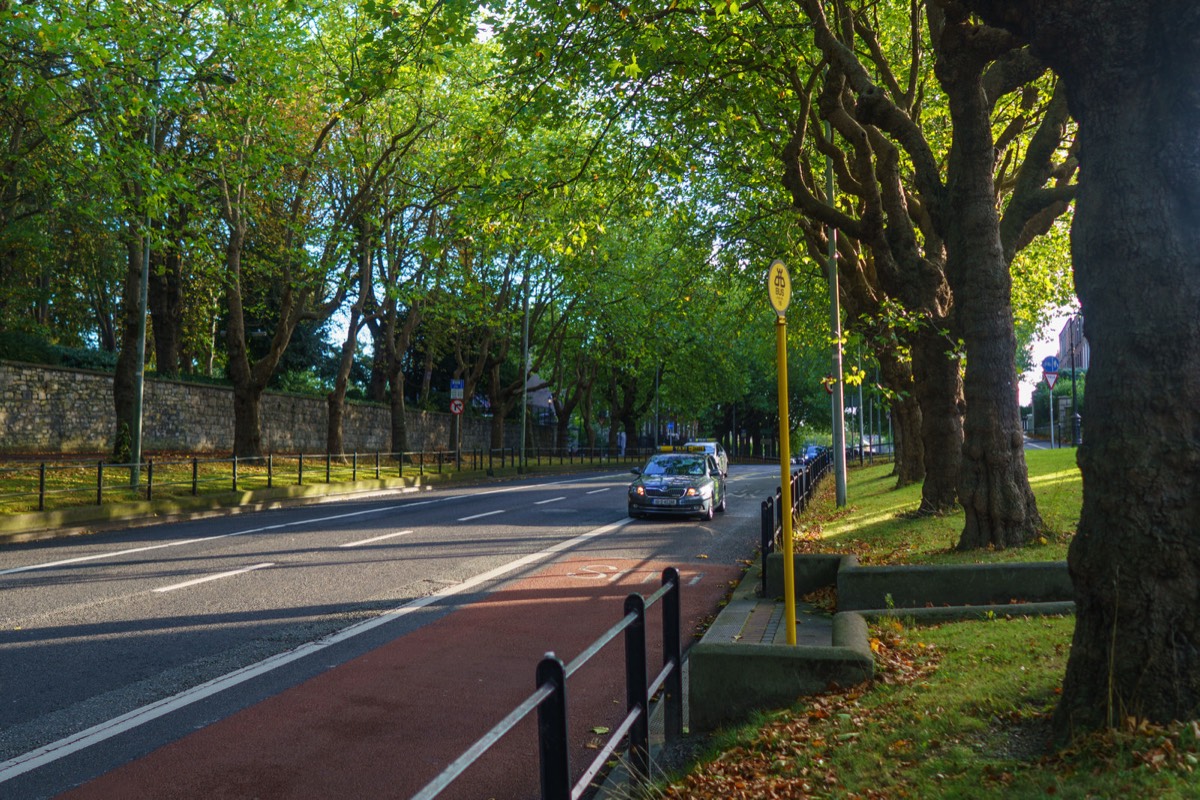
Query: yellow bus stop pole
{"type": "Point", "coordinates": [779, 292]}
{"type": "Point", "coordinates": [785, 457]}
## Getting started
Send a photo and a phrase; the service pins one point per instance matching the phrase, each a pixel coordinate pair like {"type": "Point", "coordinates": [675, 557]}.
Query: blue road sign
{"type": "Point", "coordinates": [1050, 364]}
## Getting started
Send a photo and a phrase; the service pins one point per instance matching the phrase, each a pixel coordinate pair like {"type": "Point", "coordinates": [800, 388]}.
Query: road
{"type": "Point", "coordinates": [118, 645]}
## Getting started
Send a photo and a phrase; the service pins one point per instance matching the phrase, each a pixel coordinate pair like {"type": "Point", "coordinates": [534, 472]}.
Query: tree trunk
{"type": "Point", "coordinates": [165, 299]}
{"type": "Point", "coordinates": [897, 376]}
{"type": "Point", "coordinates": [399, 415]}
{"type": "Point", "coordinates": [247, 421]}
{"type": "Point", "coordinates": [938, 390]}
{"type": "Point", "coordinates": [1135, 560]}
{"type": "Point", "coordinates": [993, 485]}
{"type": "Point", "coordinates": [125, 376]}
{"type": "Point", "coordinates": [335, 401]}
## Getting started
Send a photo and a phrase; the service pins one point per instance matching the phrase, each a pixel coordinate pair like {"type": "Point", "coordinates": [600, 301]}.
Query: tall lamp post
{"type": "Point", "coordinates": [139, 380]}
{"type": "Point", "coordinates": [1076, 422]}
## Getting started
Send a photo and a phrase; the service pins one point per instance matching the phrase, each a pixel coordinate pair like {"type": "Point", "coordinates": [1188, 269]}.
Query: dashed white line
{"type": "Point", "coordinates": [551, 500]}
{"type": "Point", "coordinates": [375, 539]}
{"type": "Point", "coordinates": [598, 491]}
{"type": "Point", "coordinates": [294, 523]}
{"type": "Point", "coordinates": [130, 720]}
{"type": "Point", "coordinates": [208, 578]}
{"type": "Point", "coordinates": [478, 516]}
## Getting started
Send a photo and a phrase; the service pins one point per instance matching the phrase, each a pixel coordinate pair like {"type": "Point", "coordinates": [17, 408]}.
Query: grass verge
{"type": "Point", "coordinates": [958, 710]}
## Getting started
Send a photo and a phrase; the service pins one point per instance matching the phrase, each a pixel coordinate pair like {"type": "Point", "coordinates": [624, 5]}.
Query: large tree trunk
{"type": "Point", "coordinates": [993, 485]}
{"type": "Point", "coordinates": [1131, 69]}
{"type": "Point", "coordinates": [939, 393]}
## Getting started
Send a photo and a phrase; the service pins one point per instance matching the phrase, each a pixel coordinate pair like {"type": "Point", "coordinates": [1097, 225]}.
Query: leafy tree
{"type": "Point", "coordinates": [1130, 69]}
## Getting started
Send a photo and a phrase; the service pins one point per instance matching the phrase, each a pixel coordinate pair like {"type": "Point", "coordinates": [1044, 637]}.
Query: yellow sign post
{"type": "Point", "coordinates": [779, 290]}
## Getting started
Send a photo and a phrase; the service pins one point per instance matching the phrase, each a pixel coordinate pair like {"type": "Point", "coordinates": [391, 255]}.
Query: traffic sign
{"type": "Point", "coordinates": [456, 388]}
{"type": "Point", "coordinates": [456, 406]}
{"type": "Point", "coordinates": [779, 287]}
{"type": "Point", "coordinates": [1050, 364]}
{"type": "Point", "coordinates": [1050, 377]}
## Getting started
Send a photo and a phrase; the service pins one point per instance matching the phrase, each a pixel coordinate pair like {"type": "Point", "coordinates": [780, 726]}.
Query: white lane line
{"type": "Point", "coordinates": [216, 577]}
{"type": "Point", "coordinates": [180, 542]}
{"type": "Point", "coordinates": [139, 716]}
{"type": "Point", "coordinates": [598, 491]}
{"type": "Point", "coordinates": [696, 579]}
{"type": "Point", "coordinates": [551, 500]}
{"type": "Point", "coordinates": [375, 539]}
{"type": "Point", "coordinates": [294, 523]}
{"type": "Point", "coordinates": [484, 514]}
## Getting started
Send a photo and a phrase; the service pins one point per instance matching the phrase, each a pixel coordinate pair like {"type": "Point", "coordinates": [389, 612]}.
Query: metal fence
{"type": "Point", "coordinates": [549, 699]}
{"type": "Point", "coordinates": [65, 483]}
{"type": "Point", "coordinates": [804, 487]}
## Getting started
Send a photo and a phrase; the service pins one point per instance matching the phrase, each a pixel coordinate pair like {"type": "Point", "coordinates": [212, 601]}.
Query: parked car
{"type": "Point", "coordinates": [713, 448]}
{"type": "Point", "coordinates": [678, 483]}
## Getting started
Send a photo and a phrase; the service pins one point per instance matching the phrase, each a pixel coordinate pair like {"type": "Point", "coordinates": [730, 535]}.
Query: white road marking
{"type": "Point", "coordinates": [551, 500]}
{"type": "Point", "coordinates": [594, 572]}
{"type": "Point", "coordinates": [598, 491]}
{"type": "Point", "coordinates": [478, 516]}
{"type": "Point", "coordinates": [375, 539]}
{"type": "Point", "coordinates": [139, 716]}
{"type": "Point", "coordinates": [312, 521]}
{"type": "Point", "coordinates": [208, 578]}
{"type": "Point", "coordinates": [696, 579]}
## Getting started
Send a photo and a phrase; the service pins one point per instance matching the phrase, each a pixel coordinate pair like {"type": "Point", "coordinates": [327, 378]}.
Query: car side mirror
{"type": "Point", "coordinates": [636, 470]}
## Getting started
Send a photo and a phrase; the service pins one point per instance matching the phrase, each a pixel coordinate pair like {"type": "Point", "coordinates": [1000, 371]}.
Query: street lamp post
{"type": "Point", "coordinates": [1076, 426]}
{"type": "Point", "coordinates": [139, 378]}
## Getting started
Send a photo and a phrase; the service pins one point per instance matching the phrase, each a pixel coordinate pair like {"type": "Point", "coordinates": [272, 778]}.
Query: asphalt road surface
{"type": "Point", "coordinates": [348, 649]}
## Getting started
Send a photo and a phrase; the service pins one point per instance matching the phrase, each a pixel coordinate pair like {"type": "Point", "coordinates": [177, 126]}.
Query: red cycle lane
{"type": "Point", "coordinates": [384, 724]}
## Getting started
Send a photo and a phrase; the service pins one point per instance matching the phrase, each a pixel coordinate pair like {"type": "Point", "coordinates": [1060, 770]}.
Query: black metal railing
{"type": "Point", "coordinates": [549, 699]}
{"type": "Point", "coordinates": [47, 485]}
{"type": "Point", "coordinates": [804, 486]}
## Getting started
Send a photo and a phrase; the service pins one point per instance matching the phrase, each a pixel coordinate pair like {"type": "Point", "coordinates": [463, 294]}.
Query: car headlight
{"type": "Point", "coordinates": [640, 491]}
{"type": "Point", "coordinates": [693, 491]}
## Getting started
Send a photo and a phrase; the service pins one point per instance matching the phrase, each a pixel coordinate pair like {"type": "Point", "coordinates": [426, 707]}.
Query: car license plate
{"type": "Point", "coordinates": [664, 501]}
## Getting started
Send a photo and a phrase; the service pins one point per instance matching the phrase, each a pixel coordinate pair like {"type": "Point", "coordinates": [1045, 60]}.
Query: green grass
{"type": "Point", "coordinates": [958, 710]}
{"type": "Point", "coordinates": [878, 523]}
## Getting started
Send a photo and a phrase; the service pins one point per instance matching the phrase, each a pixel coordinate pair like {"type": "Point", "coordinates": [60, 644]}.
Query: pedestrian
{"type": "Point", "coordinates": [621, 443]}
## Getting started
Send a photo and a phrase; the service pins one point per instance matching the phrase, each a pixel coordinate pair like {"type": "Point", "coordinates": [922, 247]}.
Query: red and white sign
{"type": "Point", "coordinates": [456, 406]}
{"type": "Point", "coordinates": [1050, 377]}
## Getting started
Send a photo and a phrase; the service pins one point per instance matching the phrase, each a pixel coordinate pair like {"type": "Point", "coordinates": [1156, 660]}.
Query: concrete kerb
{"type": "Point", "coordinates": [731, 676]}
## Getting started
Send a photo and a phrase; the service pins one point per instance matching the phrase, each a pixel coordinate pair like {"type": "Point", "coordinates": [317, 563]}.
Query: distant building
{"type": "Point", "coordinates": [1071, 342]}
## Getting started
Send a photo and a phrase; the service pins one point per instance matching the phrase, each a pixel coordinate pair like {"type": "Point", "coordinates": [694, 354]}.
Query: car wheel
{"type": "Point", "coordinates": [721, 507]}
{"type": "Point", "coordinates": [708, 511]}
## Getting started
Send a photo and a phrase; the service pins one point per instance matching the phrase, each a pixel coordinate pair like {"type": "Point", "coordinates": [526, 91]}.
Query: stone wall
{"type": "Point", "coordinates": [53, 410]}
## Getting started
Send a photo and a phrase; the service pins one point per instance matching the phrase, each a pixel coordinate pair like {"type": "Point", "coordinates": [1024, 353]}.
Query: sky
{"type": "Point", "coordinates": [1045, 345]}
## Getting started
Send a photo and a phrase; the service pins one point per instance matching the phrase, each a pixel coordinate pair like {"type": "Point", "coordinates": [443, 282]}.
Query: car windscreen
{"type": "Point", "coordinates": [674, 466]}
